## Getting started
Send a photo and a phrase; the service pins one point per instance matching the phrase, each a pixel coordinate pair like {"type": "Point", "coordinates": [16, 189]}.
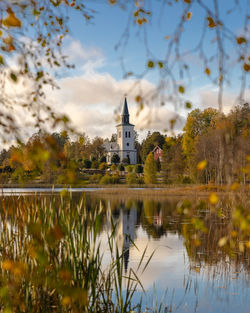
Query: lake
{"type": "Point", "coordinates": [192, 269]}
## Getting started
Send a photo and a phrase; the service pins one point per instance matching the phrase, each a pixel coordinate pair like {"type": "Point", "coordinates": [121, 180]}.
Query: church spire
{"type": "Point", "coordinates": [125, 114]}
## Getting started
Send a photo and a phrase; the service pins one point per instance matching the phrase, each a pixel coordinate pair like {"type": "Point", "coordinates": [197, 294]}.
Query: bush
{"type": "Point", "coordinates": [126, 161]}
{"type": "Point", "coordinates": [121, 168]}
{"type": "Point", "coordinates": [87, 163]}
{"type": "Point", "coordinates": [115, 159]}
{"type": "Point", "coordinates": [103, 166]}
{"type": "Point", "coordinates": [138, 169]}
{"type": "Point", "coordinates": [113, 167]}
{"type": "Point", "coordinates": [132, 179]}
{"type": "Point", "coordinates": [95, 164]}
{"type": "Point", "coordinates": [186, 180]}
{"type": "Point", "coordinates": [103, 159]}
{"type": "Point", "coordinates": [109, 179]}
{"type": "Point", "coordinates": [130, 168]}
{"type": "Point", "coordinates": [95, 178]}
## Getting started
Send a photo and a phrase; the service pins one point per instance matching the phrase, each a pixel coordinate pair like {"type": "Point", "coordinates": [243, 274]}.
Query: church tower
{"type": "Point", "coordinates": [126, 137]}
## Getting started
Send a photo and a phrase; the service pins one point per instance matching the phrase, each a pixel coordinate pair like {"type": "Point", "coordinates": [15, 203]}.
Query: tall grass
{"type": "Point", "coordinates": [51, 259]}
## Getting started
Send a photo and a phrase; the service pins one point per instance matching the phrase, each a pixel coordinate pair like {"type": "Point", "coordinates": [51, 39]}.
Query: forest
{"type": "Point", "coordinates": [213, 148]}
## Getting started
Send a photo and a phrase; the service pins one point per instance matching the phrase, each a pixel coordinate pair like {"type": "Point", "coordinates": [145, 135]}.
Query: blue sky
{"type": "Point", "coordinates": [92, 92]}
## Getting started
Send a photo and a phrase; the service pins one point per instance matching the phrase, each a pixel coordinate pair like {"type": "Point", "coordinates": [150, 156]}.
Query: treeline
{"type": "Point", "coordinates": [213, 148]}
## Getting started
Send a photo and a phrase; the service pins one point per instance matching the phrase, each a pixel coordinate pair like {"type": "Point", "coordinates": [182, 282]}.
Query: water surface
{"type": "Point", "coordinates": [188, 272]}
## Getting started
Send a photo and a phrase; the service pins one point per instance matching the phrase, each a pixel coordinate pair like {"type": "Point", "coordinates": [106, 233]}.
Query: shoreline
{"type": "Point", "coordinates": [152, 190]}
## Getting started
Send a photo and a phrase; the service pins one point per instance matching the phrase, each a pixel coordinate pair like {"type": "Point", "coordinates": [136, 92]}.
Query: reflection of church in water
{"type": "Point", "coordinates": [125, 222]}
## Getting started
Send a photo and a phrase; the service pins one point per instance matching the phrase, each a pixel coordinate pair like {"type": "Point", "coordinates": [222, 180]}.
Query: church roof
{"type": "Point", "coordinates": [127, 124]}
{"type": "Point", "coordinates": [125, 115]}
{"type": "Point", "coordinates": [125, 107]}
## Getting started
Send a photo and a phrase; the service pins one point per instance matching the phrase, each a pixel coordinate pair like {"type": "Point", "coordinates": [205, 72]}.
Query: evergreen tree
{"type": "Point", "coordinates": [150, 170]}
{"type": "Point", "coordinates": [115, 159]}
{"type": "Point", "coordinates": [152, 140]}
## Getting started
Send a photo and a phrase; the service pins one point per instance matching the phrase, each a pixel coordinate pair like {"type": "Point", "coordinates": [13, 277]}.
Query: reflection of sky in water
{"type": "Point", "coordinates": [208, 288]}
{"type": "Point", "coordinates": [216, 288]}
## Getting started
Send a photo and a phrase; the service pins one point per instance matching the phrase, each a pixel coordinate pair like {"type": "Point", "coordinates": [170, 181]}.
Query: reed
{"type": "Point", "coordinates": [51, 259]}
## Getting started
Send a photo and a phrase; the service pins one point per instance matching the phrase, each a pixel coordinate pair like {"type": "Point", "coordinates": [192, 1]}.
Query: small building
{"type": "Point", "coordinates": [157, 151]}
{"type": "Point", "coordinates": [125, 144]}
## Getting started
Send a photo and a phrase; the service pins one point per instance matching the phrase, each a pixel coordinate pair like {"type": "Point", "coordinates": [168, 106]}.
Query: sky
{"type": "Point", "coordinates": [92, 94]}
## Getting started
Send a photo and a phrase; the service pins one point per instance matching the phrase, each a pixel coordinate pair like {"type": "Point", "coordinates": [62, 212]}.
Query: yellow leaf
{"type": "Point", "coordinates": [187, 1]}
{"type": "Point", "coordinates": [66, 301]}
{"type": "Point", "coordinates": [201, 165]}
{"type": "Point", "coordinates": [139, 21]}
{"type": "Point", "coordinates": [189, 16]}
{"type": "Point", "coordinates": [235, 186]}
{"type": "Point", "coordinates": [248, 158]}
{"type": "Point", "coordinates": [213, 198]}
{"type": "Point", "coordinates": [167, 37]}
{"type": "Point", "coordinates": [1, 33]}
{"type": "Point", "coordinates": [12, 21]}
{"type": "Point", "coordinates": [181, 89]}
{"type": "Point", "coordinates": [241, 246]}
{"type": "Point", "coordinates": [8, 40]}
{"type": "Point", "coordinates": [234, 233]}
{"type": "Point", "coordinates": [138, 98]}
{"type": "Point", "coordinates": [222, 241]}
{"type": "Point", "coordinates": [151, 64]}
{"type": "Point", "coordinates": [7, 265]}
{"type": "Point", "coordinates": [160, 64]}
{"type": "Point", "coordinates": [207, 71]}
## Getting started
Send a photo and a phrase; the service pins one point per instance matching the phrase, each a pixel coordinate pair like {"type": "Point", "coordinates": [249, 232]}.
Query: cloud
{"type": "Point", "coordinates": [209, 98]}
{"type": "Point", "coordinates": [91, 100]}
{"type": "Point", "coordinates": [76, 52]}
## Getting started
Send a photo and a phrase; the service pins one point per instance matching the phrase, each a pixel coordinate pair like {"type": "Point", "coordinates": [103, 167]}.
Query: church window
{"type": "Point", "coordinates": [127, 144]}
{"type": "Point", "coordinates": [129, 134]}
{"type": "Point", "coordinates": [126, 134]}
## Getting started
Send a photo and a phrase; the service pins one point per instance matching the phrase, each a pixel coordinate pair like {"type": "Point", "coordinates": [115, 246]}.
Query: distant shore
{"type": "Point", "coordinates": [152, 190]}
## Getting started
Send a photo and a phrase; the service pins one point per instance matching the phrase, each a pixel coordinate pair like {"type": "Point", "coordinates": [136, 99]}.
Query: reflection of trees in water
{"type": "Point", "coordinates": [213, 238]}
{"type": "Point", "coordinates": [199, 224]}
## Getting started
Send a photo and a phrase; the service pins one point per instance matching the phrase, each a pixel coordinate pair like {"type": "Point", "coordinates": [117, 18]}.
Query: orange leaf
{"type": "Point", "coordinates": [201, 165]}
{"type": "Point", "coordinates": [246, 67]}
{"type": "Point", "coordinates": [207, 71]}
{"type": "Point", "coordinates": [211, 22]}
{"type": "Point", "coordinates": [241, 40]}
{"type": "Point", "coordinates": [189, 15]}
{"type": "Point", "coordinates": [12, 21]}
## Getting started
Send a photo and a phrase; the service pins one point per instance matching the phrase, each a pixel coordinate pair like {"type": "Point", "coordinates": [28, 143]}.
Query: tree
{"type": "Point", "coordinates": [121, 168]}
{"type": "Point", "coordinates": [173, 160]}
{"type": "Point", "coordinates": [150, 170]}
{"type": "Point", "coordinates": [87, 163]}
{"type": "Point", "coordinates": [138, 169]}
{"type": "Point", "coordinates": [152, 140]}
{"type": "Point", "coordinates": [225, 146]}
{"type": "Point", "coordinates": [115, 158]}
{"type": "Point", "coordinates": [197, 123]}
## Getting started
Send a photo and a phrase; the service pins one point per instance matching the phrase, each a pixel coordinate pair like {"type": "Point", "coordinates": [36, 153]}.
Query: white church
{"type": "Point", "coordinates": [125, 144]}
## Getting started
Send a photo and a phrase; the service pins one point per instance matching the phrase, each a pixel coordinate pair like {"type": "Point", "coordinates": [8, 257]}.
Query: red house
{"type": "Point", "coordinates": [157, 153]}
